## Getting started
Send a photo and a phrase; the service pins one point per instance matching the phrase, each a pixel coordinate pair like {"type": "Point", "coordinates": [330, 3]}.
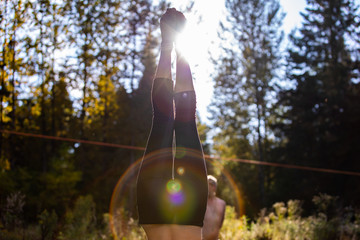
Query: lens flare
{"type": "Point", "coordinates": [173, 186]}
{"type": "Point", "coordinates": [180, 171]}
{"type": "Point", "coordinates": [175, 194]}
{"type": "Point", "coordinates": [193, 41]}
{"type": "Point", "coordinates": [239, 201]}
{"type": "Point", "coordinates": [178, 194]}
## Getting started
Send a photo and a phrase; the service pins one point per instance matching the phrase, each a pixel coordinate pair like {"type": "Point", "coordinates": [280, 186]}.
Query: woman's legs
{"type": "Point", "coordinates": [168, 195]}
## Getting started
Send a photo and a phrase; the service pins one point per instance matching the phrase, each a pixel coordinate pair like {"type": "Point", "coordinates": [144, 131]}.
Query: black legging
{"type": "Point", "coordinates": [170, 193]}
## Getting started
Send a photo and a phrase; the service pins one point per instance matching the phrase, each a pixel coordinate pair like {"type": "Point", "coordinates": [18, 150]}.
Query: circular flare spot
{"type": "Point", "coordinates": [175, 194]}
{"type": "Point", "coordinates": [180, 171]}
{"type": "Point", "coordinates": [177, 198]}
{"type": "Point", "coordinates": [173, 186]}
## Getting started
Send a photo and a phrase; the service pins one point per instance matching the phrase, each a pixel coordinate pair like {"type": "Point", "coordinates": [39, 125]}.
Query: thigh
{"type": "Point", "coordinates": [153, 205]}
{"type": "Point", "coordinates": [190, 171]}
{"type": "Point", "coordinates": [154, 173]}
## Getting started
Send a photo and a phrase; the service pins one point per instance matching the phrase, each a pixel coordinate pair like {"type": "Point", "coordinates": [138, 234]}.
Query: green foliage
{"type": "Point", "coordinates": [125, 226]}
{"type": "Point", "coordinates": [234, 227]}
{"type": "Point", "coordinates": [317, 120]}
{"type": "Point", "coordinates": [12, 211]}
{"type": "Point", "coordinates": [285, 222]}
{"type": "Point", "coordinates": [59, 184]}
{"type": "Point", "coordinates": [244, 82]}
{"type": "Point", "coordinates": [80, 221]}
{"type": "Point", "coordinates": [47, 223]}
{"type": "Point", "coordinates": [203, 131]}
{"type": "Point", "coordinates": [282, 221]}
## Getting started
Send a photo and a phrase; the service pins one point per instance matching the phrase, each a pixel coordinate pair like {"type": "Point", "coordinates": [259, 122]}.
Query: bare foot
{"type": "Point", "coordinates": [171, 23]}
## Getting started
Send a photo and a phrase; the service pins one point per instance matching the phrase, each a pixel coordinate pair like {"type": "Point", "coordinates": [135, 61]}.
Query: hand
{"type": "Point", "coordinates": [171, 23]}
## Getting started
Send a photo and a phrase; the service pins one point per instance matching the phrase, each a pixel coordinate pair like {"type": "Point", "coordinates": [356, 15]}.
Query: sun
{"type": "Point", "coordinates": [192, 42]}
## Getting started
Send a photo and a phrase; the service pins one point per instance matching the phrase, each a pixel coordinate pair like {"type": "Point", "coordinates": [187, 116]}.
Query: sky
{"type": "Point", "coordinates": [200, 36]}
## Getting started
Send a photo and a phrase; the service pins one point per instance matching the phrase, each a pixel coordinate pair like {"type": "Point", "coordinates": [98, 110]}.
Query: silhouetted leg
{"type": "Point", "coordinates": [156, 167]}
{"type": "Point", "coordinates": [190, 167]}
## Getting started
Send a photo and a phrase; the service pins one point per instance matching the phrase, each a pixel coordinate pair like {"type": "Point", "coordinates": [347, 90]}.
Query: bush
{"type": "Point", "coordinates": [47, 224]}
{"type": "Point", "coordinates": [282, 222]}
{"type": "Point", "coordinates": [80, 222]}
{"type": "Point", "coordinates": [285, 222]}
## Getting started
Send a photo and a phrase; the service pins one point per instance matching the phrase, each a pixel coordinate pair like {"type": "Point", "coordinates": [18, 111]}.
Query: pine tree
{"type": "Point", "coordinates": [82, 21]}
{"type": "Point", "coordinates": [13, 16]}
{"type": "Point", "coordinates": [244, 82]}
{"type": "Point", "coordinates": [321, 117]}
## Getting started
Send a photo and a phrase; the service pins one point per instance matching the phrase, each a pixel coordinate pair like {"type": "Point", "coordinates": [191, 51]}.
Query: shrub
{"type": "Point", "coordinates": [286, 223]}
{"type": "Point", "coordinates": [80, 222]}
{"type": "Point", "coordinates": [47, 224]}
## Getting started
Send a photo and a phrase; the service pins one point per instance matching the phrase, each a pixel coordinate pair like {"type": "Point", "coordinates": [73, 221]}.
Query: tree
{"type": "Point", "coordinates": [42, 45]}
{"type": "Point", "coordinates": [14, 14]}
{"type": "Point", "coordinates": [83, 19]}
{"type": "Point", "coordinates": [244, 82]}
{"type": "Point", "coordinates": [320, 119]}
